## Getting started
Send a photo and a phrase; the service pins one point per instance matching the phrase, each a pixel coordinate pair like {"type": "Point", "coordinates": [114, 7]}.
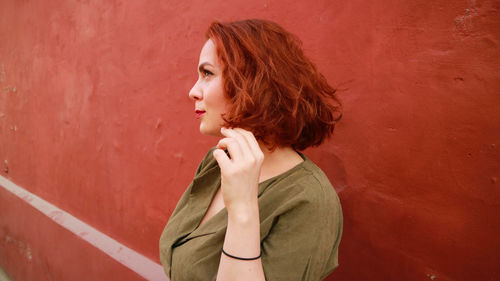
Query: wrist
{"type": "Point", "coordinates": [245, 213]}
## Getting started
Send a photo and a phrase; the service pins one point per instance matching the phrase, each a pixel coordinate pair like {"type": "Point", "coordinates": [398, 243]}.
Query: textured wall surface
{"type": "Point", "coordinates": [94, 118]}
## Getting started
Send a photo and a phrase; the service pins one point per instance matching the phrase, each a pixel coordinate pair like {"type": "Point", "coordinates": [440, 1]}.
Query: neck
{"type": "Point", "coordinates": [278, 161]}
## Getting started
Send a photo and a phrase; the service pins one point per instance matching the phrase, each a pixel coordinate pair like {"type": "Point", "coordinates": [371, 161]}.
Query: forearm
{"type": "Point", "coordinates": [242, 240]}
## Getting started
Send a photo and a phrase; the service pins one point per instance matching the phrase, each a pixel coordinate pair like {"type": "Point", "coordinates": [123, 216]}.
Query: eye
{"type": "Point", "coordinates": [206, 73]}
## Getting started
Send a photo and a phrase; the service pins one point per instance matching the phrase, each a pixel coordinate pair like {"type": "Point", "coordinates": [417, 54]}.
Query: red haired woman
{"type": "Point", "coordinates": [257, 209]}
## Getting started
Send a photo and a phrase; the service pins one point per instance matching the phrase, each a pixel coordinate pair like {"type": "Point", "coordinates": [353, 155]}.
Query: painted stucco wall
{"type": "Point", "coordinates": [95, 119]}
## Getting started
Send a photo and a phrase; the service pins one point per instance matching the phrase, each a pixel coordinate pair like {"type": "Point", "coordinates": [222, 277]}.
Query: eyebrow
{"type": "Point", "coordinates": [200, 68]}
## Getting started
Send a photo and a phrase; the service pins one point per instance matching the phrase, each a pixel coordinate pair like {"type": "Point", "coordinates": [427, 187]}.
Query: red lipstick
{"type": "Point", "coordinates": [199, 113]}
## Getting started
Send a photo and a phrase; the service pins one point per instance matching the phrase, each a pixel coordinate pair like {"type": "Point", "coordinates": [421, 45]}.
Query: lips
{"type": "Point", "coordinates": [199, 113]}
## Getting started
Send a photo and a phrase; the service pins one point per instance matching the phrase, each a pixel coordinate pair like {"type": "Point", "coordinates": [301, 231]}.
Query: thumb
{"type": "Point", "coordinates": [221, 158]}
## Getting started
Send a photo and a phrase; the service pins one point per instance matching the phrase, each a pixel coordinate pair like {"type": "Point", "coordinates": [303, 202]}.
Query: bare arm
{"type": "Point", "coordinates": [242, 240]}
{"type": "Point", "coordinates": [239, 184]}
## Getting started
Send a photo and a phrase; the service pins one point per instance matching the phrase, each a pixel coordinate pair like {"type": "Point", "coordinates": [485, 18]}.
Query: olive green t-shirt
{"type": "Point", "coordinates": [300, 226]}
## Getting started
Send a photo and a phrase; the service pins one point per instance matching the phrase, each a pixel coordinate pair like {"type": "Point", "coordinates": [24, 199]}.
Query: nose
{"type": "Point", "coordinates": [195, 92]}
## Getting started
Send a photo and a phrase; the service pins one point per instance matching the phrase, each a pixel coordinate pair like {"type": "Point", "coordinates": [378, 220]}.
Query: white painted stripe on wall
{"type": "Point", "coordinates": [138, 263]}
{"type": "Point", "coordinates": [4, 276]}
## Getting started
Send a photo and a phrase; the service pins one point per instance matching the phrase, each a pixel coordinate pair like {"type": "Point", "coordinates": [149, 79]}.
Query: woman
{"type": "Point", "coordinates": [257, 209]}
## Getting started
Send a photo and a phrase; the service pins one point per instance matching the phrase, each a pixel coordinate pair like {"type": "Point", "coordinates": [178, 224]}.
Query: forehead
{"type": "Point", "coordinates": [208, 53]}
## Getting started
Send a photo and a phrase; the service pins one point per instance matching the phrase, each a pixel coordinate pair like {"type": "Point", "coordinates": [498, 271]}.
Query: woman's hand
{"type": "Point", "coordinates": [240, 173]}
{"type": "Point", "coordinates": [239, 184]}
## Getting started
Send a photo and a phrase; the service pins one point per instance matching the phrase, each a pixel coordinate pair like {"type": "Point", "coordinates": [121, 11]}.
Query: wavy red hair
{"type": "Point", "coordinates": [273, 89]}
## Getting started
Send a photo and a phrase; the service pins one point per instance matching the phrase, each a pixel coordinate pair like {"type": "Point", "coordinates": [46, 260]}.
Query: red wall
{"type": "Point", "coordinates": [94, 118]}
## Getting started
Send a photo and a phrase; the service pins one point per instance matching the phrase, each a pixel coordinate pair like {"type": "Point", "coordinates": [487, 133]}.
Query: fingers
{"type": "Point", "coordinates": [241, 144]}
{"type": "Point", "coordinates": [232, 145]}
{"type": "Point", "coordinates": [221, 158]}
{"type": "Point", "coordinates": [240, 170]}
{"type": "Point", "coordinates": [235, 143]}
{"type": "Point", "coordinates": [252, 142]}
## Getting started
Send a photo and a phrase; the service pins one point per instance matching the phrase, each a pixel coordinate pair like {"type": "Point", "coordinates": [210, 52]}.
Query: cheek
{"type": "Point", "coordinates": [218, 98]}
{"type": "Point", "coordinates": [222, 103]}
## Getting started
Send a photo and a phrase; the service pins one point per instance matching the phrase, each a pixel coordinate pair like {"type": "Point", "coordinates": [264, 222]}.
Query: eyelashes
{"type": "Point", "coordinates": [206, 73]}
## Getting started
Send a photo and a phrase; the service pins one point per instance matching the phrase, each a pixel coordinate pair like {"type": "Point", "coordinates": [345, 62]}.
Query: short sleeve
{"type": "Point", "coordinates": [207, 159]}
{"type": "Point", "coordinates": [185, 196]}
{"type": "Point", "coordinates": [303, 242]}
{"type": "Point", "coordinates": [174, 228]}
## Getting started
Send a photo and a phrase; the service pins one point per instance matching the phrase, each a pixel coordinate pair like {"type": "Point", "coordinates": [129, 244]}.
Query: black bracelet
{"type": "Point", "coordinates": [242, 259]}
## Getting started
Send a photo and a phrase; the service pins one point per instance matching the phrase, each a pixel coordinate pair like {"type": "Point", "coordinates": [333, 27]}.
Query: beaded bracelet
{"type": "Point", "coordinates": [242, 259]}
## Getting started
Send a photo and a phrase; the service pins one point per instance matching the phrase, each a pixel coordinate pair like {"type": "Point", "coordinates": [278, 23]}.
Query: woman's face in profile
{"type": "Point", "coordinates": [208, 92]}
